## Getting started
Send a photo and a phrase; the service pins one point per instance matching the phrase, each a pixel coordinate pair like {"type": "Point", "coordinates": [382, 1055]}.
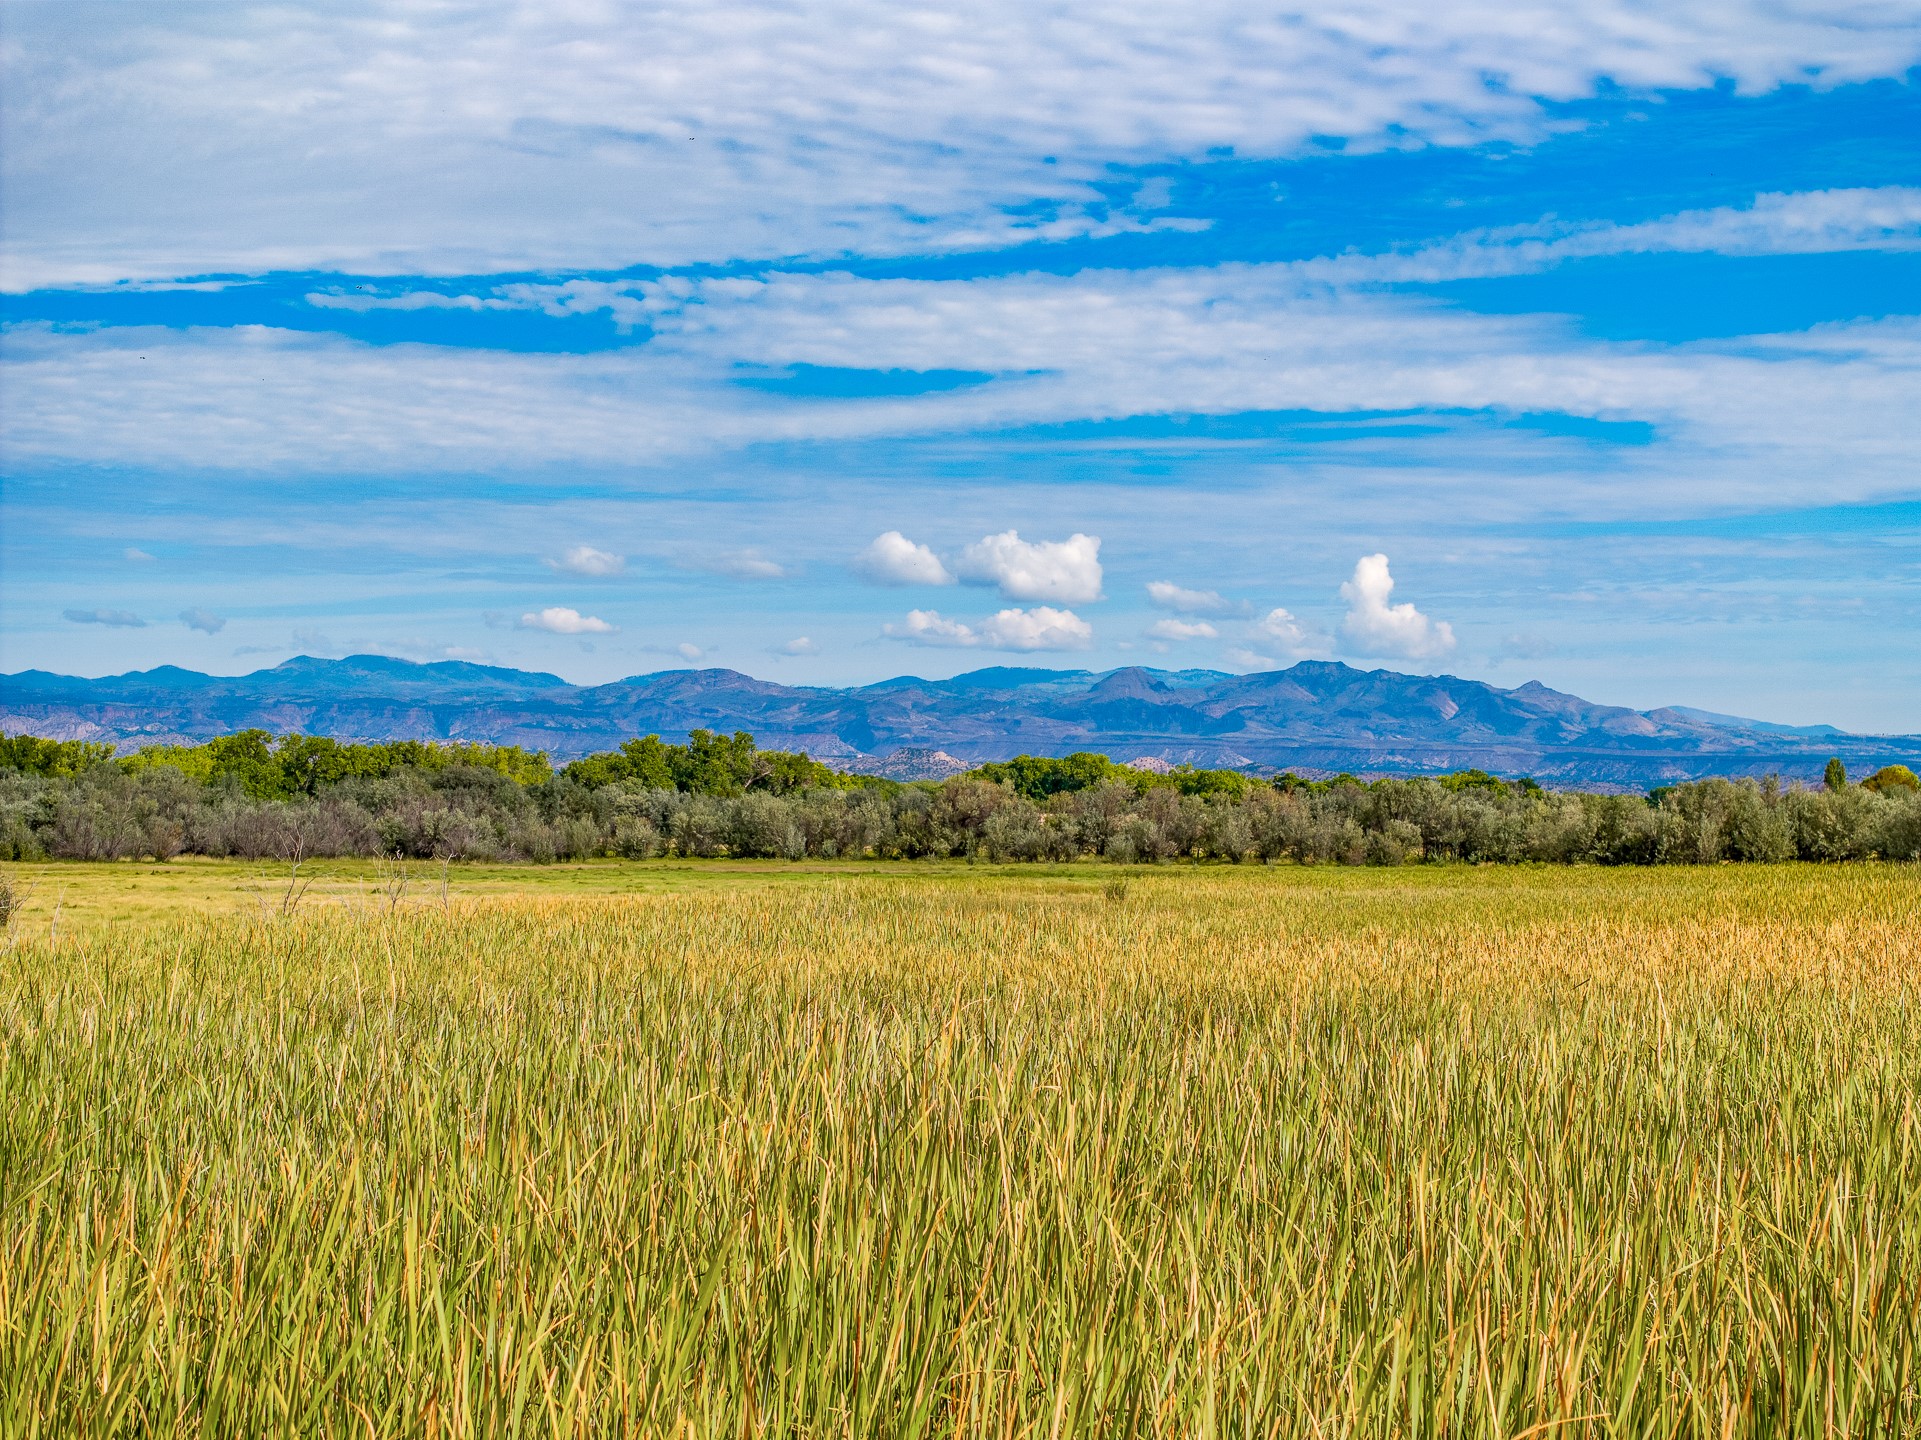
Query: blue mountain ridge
{"type": "Point", "coordinates": [1315, 717]}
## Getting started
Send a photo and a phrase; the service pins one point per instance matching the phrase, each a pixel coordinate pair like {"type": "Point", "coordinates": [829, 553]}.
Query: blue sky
{"type": "Point", "coordinates": [834, 341]}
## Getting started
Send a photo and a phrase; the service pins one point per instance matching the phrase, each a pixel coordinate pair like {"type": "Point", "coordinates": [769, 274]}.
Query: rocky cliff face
{"type": "Point", "coordinates": [1316, 716]}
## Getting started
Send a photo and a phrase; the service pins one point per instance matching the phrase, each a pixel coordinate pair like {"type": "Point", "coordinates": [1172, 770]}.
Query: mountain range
{"type": "Point", "coordinates": [1315, 717]}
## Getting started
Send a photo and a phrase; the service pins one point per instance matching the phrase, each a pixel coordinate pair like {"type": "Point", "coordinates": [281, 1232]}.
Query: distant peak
{"type": "Point", "coordinates": [1132, 681]}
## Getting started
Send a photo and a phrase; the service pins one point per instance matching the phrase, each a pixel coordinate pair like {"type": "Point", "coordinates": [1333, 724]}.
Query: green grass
{"type": "Point", "coordinates": [752, 1150]}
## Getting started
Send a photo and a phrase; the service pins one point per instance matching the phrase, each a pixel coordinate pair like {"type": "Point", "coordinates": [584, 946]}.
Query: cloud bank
{"type": "Point", "coordinates": [393, 138]}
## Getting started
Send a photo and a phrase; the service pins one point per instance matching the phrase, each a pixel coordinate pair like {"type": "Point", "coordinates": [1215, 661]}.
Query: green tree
{"type": "Point", "coordinates": [1835, 777]}
{"type": "Point", "coordinates": [51, 757]}
{"type": "Point", "coordinates": [1038, 776]}
{"type": "Point", "coordinates": [708, 764]}
{"type": "Point", "coordinates": [1189, 781]}
{"type": "Point", "coordinates": [1892, 777]}
{"type": "Point", "coordinates": [249, 759]}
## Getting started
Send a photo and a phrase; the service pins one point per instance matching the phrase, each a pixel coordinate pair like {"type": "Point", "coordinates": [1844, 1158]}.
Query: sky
{"type": "Point", "coordinates": [837, 341]}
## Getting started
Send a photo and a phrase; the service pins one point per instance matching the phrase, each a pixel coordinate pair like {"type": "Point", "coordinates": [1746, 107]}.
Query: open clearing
{"type": "Point", "coordinates": [857, 1149]}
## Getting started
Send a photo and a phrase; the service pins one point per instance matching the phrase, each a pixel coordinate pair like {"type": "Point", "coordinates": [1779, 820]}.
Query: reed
{"type": "Point", "coordinates": [1633, 1153]}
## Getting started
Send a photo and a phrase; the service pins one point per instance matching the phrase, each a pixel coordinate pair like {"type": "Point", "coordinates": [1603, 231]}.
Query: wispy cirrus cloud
{"type": "Point", "coordinates": [1804, 223]}
{"type": "Point", "coordinates": [1232, 339]}
{"type": "Point", "coordinates": [512, 136]}
{"type": "Point", "coordinates": [122, 619]}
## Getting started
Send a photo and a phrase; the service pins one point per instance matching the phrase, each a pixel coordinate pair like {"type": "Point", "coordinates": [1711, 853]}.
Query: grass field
{"type": "Point", "coordinates": [770, 1150]}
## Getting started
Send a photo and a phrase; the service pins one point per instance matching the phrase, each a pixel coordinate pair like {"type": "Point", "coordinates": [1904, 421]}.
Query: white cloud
{"type": "Point", "coordinates": [688, 651]}
{"type": "Point", "coordinates": [559, 620]}
{"type": "Point", "coordinates": [1170, 596]}
{"type": "Point", "coordinates": [1279, 631]}
{"type": "Point", "coordinates": [799, 645]}
{"type": "Point", "coordinates": [586, 560]}
{"type": "Point", "coordinates": [748, 564]}
{"type": "Point", "coordinates": [1241, 658]}
{"type": "Point", "coordinates": [630, 303]}
{"type": "Point", "coordinates": [515, 135]}
{"type": "Point", "coordinates": [1828, 416]}
{"type": "Point", "coordinates": [1278, 638]}
{"type": "Point", "coordinates": [204, 621]}
{"type": "Point", "coordinates": [1372, 626]}
{"type": "Point", "coordinates": [1171, 629]}
{"type": "Point", "coordinates": [931, 628]}
{"type": "Point", "coordinates": [1068, 570]}
{"type": "Point", "coordinates": [1041, 628]}
{"type": "Point", "coordinates": [893, 559]}
{"type": "Point", "coordinates": [1800, 223]}
{"type": "Point", "coordinates": [137, 556]}
{"type": "Point", "coordinates": [406, 300]}
{"type": "Point", "coordinates": [122, 618]}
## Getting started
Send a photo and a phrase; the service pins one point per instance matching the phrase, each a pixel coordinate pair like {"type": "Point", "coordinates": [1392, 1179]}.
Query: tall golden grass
{"type": "Point", "coordinates": [1511, 1154]}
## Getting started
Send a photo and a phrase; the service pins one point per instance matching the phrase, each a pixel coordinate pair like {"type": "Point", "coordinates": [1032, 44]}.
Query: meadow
{"type": "Point", "coordinates": [734, 1149]}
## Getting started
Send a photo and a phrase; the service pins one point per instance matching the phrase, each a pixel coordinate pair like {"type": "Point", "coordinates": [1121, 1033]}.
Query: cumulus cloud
{"type": "Point", "coordinates": [204, 621]}
{"type": "Point", "coordinates": [1171, 629]}
{"type": "Point", "coordinates": [514, 135]}
{"type": "Point", "coordinates": [893, 559]}
{"type": "Point", "coordinates": [1282, 633]}
{"type": "Point", "coordinates": [933, 629]}
{"type": "Point", "coordinates": [104, 617]}
{"type": "Point", "coordinates": [1170, 596]}
{"type": "Point", "coordinates": [586, 560]}
{"type": "Point", "coordinates": [799, 645]}
{"type": "Point", "coordinates": [1068, 570]}
{"type": "Point", "coordinates": [688, 651]}
{"type": "Point", "coordinates": [1373, 626]}
{"type": "Point", "coordinates": [1278, 638]}
{"type": "Point", "coordinates": [748, 564]}
{"type": "Point", "coordinates": [1041, 628]}
{"type": "Point", "coordinates": [560, 620]}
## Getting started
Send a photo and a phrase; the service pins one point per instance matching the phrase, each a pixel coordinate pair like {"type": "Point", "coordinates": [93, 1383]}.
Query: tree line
{"type": "Point", "coordinates": [254, 796]}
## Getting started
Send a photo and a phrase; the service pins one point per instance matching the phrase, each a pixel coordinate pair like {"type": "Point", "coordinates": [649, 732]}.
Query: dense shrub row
{"type": "Point", "coordinates": [718, 796]}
